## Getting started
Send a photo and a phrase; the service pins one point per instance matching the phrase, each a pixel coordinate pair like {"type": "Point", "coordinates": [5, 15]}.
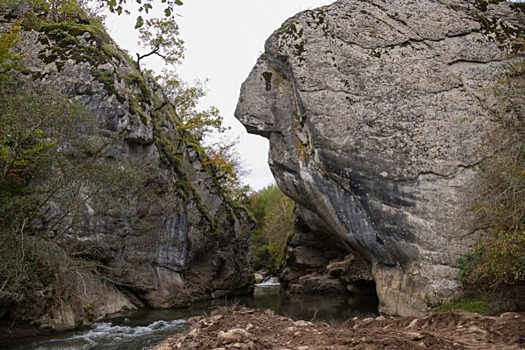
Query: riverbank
{"type": "Point", "coordinates": [144, 328]}
{"type": "Point", "coordinates": [244, 328]}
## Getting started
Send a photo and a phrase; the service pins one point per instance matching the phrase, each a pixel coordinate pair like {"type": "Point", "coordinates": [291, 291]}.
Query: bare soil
{"type": "Point", "coordinates": [237, 327]}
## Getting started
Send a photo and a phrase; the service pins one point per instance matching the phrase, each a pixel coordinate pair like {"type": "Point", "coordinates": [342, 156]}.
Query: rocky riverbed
{"type": "Point", "coordinates": [244, 328]}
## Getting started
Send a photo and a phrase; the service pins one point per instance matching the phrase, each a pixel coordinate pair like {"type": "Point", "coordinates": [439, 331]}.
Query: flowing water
{"type": "Point", "coordinates": [145, 328]}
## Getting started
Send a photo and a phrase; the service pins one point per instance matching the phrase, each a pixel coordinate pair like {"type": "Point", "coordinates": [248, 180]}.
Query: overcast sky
{"type": "Point", "coordinates": [223, 40]}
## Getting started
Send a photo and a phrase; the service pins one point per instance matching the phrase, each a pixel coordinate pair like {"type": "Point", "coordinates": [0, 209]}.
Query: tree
{"type": "Point", "coordinates": [275, 225]}
{"type": "Point", "coordinates": [161, 37]}
{"type": "Point", "coordinates": [224, 158]}
{"type": "Point", "coordinates": [501, 200]}
{"type": "Point", "coordinates": [205, 126]}
{"type": "Point", "coordinates": [185, 98]}
{"type": "Point", "coordinates": [119, 7]}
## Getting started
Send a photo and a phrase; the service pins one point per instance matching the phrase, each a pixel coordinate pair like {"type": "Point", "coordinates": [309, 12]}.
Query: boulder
{"type": "Point", "coordinates": [377, 112]}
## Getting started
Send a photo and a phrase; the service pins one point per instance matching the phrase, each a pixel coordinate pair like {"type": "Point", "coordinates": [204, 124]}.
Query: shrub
{"type": "Point", "coordinates": [497, 265]}
{"type": "Point", "coordinates": [496, 261]}
{"type": "Point", "coordinates": [54, 176]}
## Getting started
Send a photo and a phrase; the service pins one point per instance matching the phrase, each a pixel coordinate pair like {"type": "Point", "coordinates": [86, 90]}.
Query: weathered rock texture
{"type": "Point", "coordinates": [191, 241]}
{"type": "Point", "coordinates": [315, 265]}
{"type": "Point", "coordinates": [376, 112]}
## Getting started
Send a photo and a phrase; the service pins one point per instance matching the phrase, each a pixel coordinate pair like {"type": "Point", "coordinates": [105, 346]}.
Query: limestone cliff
{"type": "Point", "coordinates": [187, 240]}
{"type": "Point", "coordinates": [376, 112]}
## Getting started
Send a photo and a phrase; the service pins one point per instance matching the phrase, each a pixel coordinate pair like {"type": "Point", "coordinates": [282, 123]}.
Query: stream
{"type": "Point", "coordinates": [144, 329]}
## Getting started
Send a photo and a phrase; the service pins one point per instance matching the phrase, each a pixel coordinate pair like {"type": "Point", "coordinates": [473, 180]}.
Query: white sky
{"type": "Point", "coordinates": [223, 40]}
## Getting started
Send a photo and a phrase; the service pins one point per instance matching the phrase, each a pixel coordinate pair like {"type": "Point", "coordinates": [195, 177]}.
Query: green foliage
{"type": "Point", "coordinates": [275, 225]}
{"type": "Point", "coordinates": [63, 36]}
{"type": "Point", "coordinates": [30, 264]}
{"type": "Point", "coordinates": [161, 38]}
{"type": "Point", "coordinates": [195, 124]}
{"type": "Point", "coordinates": [59, 10]}
{"type": "Point", "coordinates": [222, 157]}
{"type": "Point", "coordinates": [65, 29]}
{"type": "Point", "coordinates": [466, 263]}
{"type": "Point", "coordinates": [470, 305]}
{"type": "Point", "coordinates": [105, 77]}
{"type": "Point", "coordinates": [7, 41]}
{"type": "Point", "coordinates": [30, 129]}
{"type": "Point", "coordinates": [185, 100]}
{"type": "Point", "coordinates": [501, 203]}
{"type": "Point", "coordinates": [145, 6]}
{"type": "Point", "coordinates": [498, 263]}
{"type": "Point", "coordinates": [54, 177]}
{"type": "Point", "coordinates": [488, 301]}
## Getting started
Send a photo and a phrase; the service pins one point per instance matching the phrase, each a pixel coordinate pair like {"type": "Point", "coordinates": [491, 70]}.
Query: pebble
{"type": "Point", "coordinates": [193, 333]}
{"type": "Point", "coordinates": [415, 336]}
{"type": "Point", "coordinates": [233, 335]}
{"type": "Point", "coordinates": [413, 323]}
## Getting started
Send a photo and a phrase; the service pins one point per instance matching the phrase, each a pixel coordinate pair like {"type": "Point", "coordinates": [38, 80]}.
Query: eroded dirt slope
{"type": "Point", "coordinates": [243, 328]}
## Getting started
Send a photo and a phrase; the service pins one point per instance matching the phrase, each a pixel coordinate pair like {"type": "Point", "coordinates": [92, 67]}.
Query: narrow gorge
{"type": "Point", "coordinates": [379, 115]}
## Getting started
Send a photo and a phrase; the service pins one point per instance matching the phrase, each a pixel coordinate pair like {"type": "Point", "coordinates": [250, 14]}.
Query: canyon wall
{"type": "Point", "coordinates": [180, 238]}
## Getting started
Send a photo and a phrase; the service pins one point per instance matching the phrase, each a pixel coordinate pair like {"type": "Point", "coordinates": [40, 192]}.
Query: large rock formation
{"type": "Point", "coordinates": [376, 112]}
{"type": "Point", "coordinates": [317, 265]}
{"type": "Point", "coordinates": [181, 238]}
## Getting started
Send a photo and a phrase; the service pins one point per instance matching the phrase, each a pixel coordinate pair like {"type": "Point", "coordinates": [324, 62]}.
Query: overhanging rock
{"type": "Point", "coordinates": [376, 112]}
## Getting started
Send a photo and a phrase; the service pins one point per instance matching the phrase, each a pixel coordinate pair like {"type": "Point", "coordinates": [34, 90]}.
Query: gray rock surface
{"type": "Point", "coordinates": [376, 112]}
{"type": "Point", "coordinates": [190, 242]}
{"type": "Point", "coordinates": [315, 265]}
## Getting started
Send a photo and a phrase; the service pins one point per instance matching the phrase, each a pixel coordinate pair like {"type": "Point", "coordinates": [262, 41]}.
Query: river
{"type": "Point", "coordinates": [143, 329]}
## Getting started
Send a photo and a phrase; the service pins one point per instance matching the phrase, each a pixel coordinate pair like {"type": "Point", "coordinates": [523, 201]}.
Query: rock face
{"type": "Point", "coordinates": [376, 112]}
{"type": "Point", "coordinates": [191, 241]}
{"type": "Point", "coordinates": [315, 265]}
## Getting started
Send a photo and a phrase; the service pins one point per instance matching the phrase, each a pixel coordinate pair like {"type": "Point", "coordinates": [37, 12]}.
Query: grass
{"type": "Point", "coordinates": [471, 305]}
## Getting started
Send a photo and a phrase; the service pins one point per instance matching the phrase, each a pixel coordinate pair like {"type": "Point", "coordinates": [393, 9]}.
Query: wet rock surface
{"type": "Point", "coordinates": [377, 112]}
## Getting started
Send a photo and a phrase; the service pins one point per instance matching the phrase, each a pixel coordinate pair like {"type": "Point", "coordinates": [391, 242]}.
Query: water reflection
{"type": "Point", "coordinates": [146, 328]}
{"type": "Point", "coordinates": [331, 309]}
